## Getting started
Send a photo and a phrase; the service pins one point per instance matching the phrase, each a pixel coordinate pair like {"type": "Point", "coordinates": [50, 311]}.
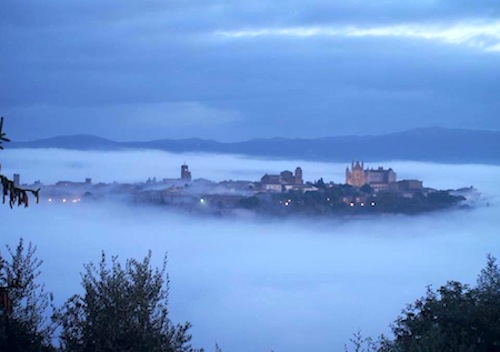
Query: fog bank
{"type": "Point", "coordinates": [255, 285]}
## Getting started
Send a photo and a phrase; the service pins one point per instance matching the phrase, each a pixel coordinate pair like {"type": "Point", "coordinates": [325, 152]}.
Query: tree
{"type": "Point", "coordinates": [23, 301]}
{"type": "Point", "coordinates": [455, 317]}
{"type": "Point", "coordinates": [122, 309]}
{"type": "Point", "coordinates": [361, 344]}
{"type": "Point", "coordinates": [24, 304]}
{"type": "Point", "coordinates": [488, 281]}
{"type": "Point", "coordinates": [445, 320]}
{"type": "Point", "coordinates": [320, 184]}
{"type": "Point", "coordinates": [366, 188]}
{"type": "Point", "coordinates": [15, 194]}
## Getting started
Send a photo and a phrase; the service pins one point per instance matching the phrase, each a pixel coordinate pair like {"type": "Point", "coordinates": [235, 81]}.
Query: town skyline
{"type": "Point", "coordinates": [365, 191]}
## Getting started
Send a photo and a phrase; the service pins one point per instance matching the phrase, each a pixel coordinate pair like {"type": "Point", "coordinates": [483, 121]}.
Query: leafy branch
{"type": "Point", "coordinates": [3, 137]}
{"type": "Point", "coordinates": [17, 196]}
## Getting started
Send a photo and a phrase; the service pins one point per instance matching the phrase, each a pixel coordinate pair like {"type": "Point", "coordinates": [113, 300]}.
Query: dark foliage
{"type": "Point", "coordinates": [122, 309]}
{"type": "Point", "coordinates": [17, 196]}
{"type": "Point", "coordinates": [320, 184]}
{"type": "Point", "coordinates": [23, 302]}
{"type": "Point", "coordinates": [454, 318]}
{"type": "Point", "coordinates": [343, 199]}
{"type": "Point", "coordinates": [249, 203]}
{"type": "Point", "coordinates": [366, 188]}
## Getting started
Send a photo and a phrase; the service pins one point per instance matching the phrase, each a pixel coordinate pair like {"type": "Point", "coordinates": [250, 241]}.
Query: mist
{"type": "Point", "coordinates": [254, 284]}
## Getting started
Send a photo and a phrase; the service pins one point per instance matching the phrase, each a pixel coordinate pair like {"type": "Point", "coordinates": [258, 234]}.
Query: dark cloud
{"type": "Point", "coordinates": [386, 12]}
{"type": "Point", "coordinates": [82, 67]}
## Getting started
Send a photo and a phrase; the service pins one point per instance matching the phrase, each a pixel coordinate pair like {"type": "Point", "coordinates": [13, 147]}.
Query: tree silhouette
{"type": "Point", "coordinates": [23, 302]}
{"type": "Point", "coordinates": [17, 196]}
{"type": "Point", "coordinates": [454, 318]}
{"type": "Point", "coordinates": [123, 308]}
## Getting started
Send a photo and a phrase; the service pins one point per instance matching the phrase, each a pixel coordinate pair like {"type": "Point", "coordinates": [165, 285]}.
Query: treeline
{"type": "Point", "coordinates": [124, 308]}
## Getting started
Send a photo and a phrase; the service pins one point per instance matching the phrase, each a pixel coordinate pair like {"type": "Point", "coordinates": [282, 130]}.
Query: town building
{"type": "Point", "coordinates": [408, 188]}
{"type": "Point", "coordinates": [378, 179]}
{"type": "Point", "coordinates": [410, 185]}
{"type": "Point", "coordinates": [87, 182]}
{"type": "Point", "coordinates": [286, 180]}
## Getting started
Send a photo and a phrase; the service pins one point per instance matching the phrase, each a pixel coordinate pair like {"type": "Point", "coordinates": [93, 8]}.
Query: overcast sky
{"type": "Point", "coordinates": [234, 70]}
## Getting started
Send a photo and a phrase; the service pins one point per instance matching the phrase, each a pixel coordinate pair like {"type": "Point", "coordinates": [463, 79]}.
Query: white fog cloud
{"type": "Point", "coordinates": [50, 166]}
{"type": "Point", "coordinates": [255, 285]}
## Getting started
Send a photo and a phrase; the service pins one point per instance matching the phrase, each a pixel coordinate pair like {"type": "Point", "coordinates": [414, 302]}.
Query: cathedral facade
{"type": "Point", "coordinates": [356, 175]}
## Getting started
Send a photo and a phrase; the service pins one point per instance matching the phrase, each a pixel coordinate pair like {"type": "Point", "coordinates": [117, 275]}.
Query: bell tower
{"type": "Point", "coordinates": [298, 176]}
{"type": "Point", "coordinates": [185, 173]}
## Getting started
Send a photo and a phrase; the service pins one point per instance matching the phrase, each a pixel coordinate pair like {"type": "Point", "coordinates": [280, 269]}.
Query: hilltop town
{"type": "Point", "coordinates": [366, 190]}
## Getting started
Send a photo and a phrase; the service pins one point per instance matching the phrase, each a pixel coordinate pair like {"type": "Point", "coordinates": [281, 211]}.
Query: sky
{"type": "Point", "coordinates": [253, 284]}
{"type": "Point", "coordinates": [235, 70]}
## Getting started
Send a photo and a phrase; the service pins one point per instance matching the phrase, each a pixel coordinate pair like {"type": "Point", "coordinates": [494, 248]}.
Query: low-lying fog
{"type": "Point", "coordinates": [279, 285]}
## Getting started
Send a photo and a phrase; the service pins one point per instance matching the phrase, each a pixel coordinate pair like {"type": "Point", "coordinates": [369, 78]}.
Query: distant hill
{"type": "Point", "coordinates": [76, 142]}
{"type": "Point", "coordinates": [425, 144]}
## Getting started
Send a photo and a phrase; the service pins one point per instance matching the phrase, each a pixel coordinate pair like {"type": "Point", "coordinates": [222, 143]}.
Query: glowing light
{"type": "Point", "coordinates": [372, 204]}
{"type": "Point", "coordinates": [64, 200]}
{"type": "Point", "coordinates": [352, 204]}
{"type": "Point", "coordinates": [202, 201]}
{"type": "Point", "coordinates": [50, 199]}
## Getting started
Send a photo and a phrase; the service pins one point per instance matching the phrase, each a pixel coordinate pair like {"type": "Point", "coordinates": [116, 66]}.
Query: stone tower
{"type": "Point", "coordinates": [298, 176]}
{"type": "Point", "coordinates": [185, 173]}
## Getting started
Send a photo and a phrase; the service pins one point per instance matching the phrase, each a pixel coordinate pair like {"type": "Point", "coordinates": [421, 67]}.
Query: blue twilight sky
{"type": "Point", "coordinates": [238, 69]}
